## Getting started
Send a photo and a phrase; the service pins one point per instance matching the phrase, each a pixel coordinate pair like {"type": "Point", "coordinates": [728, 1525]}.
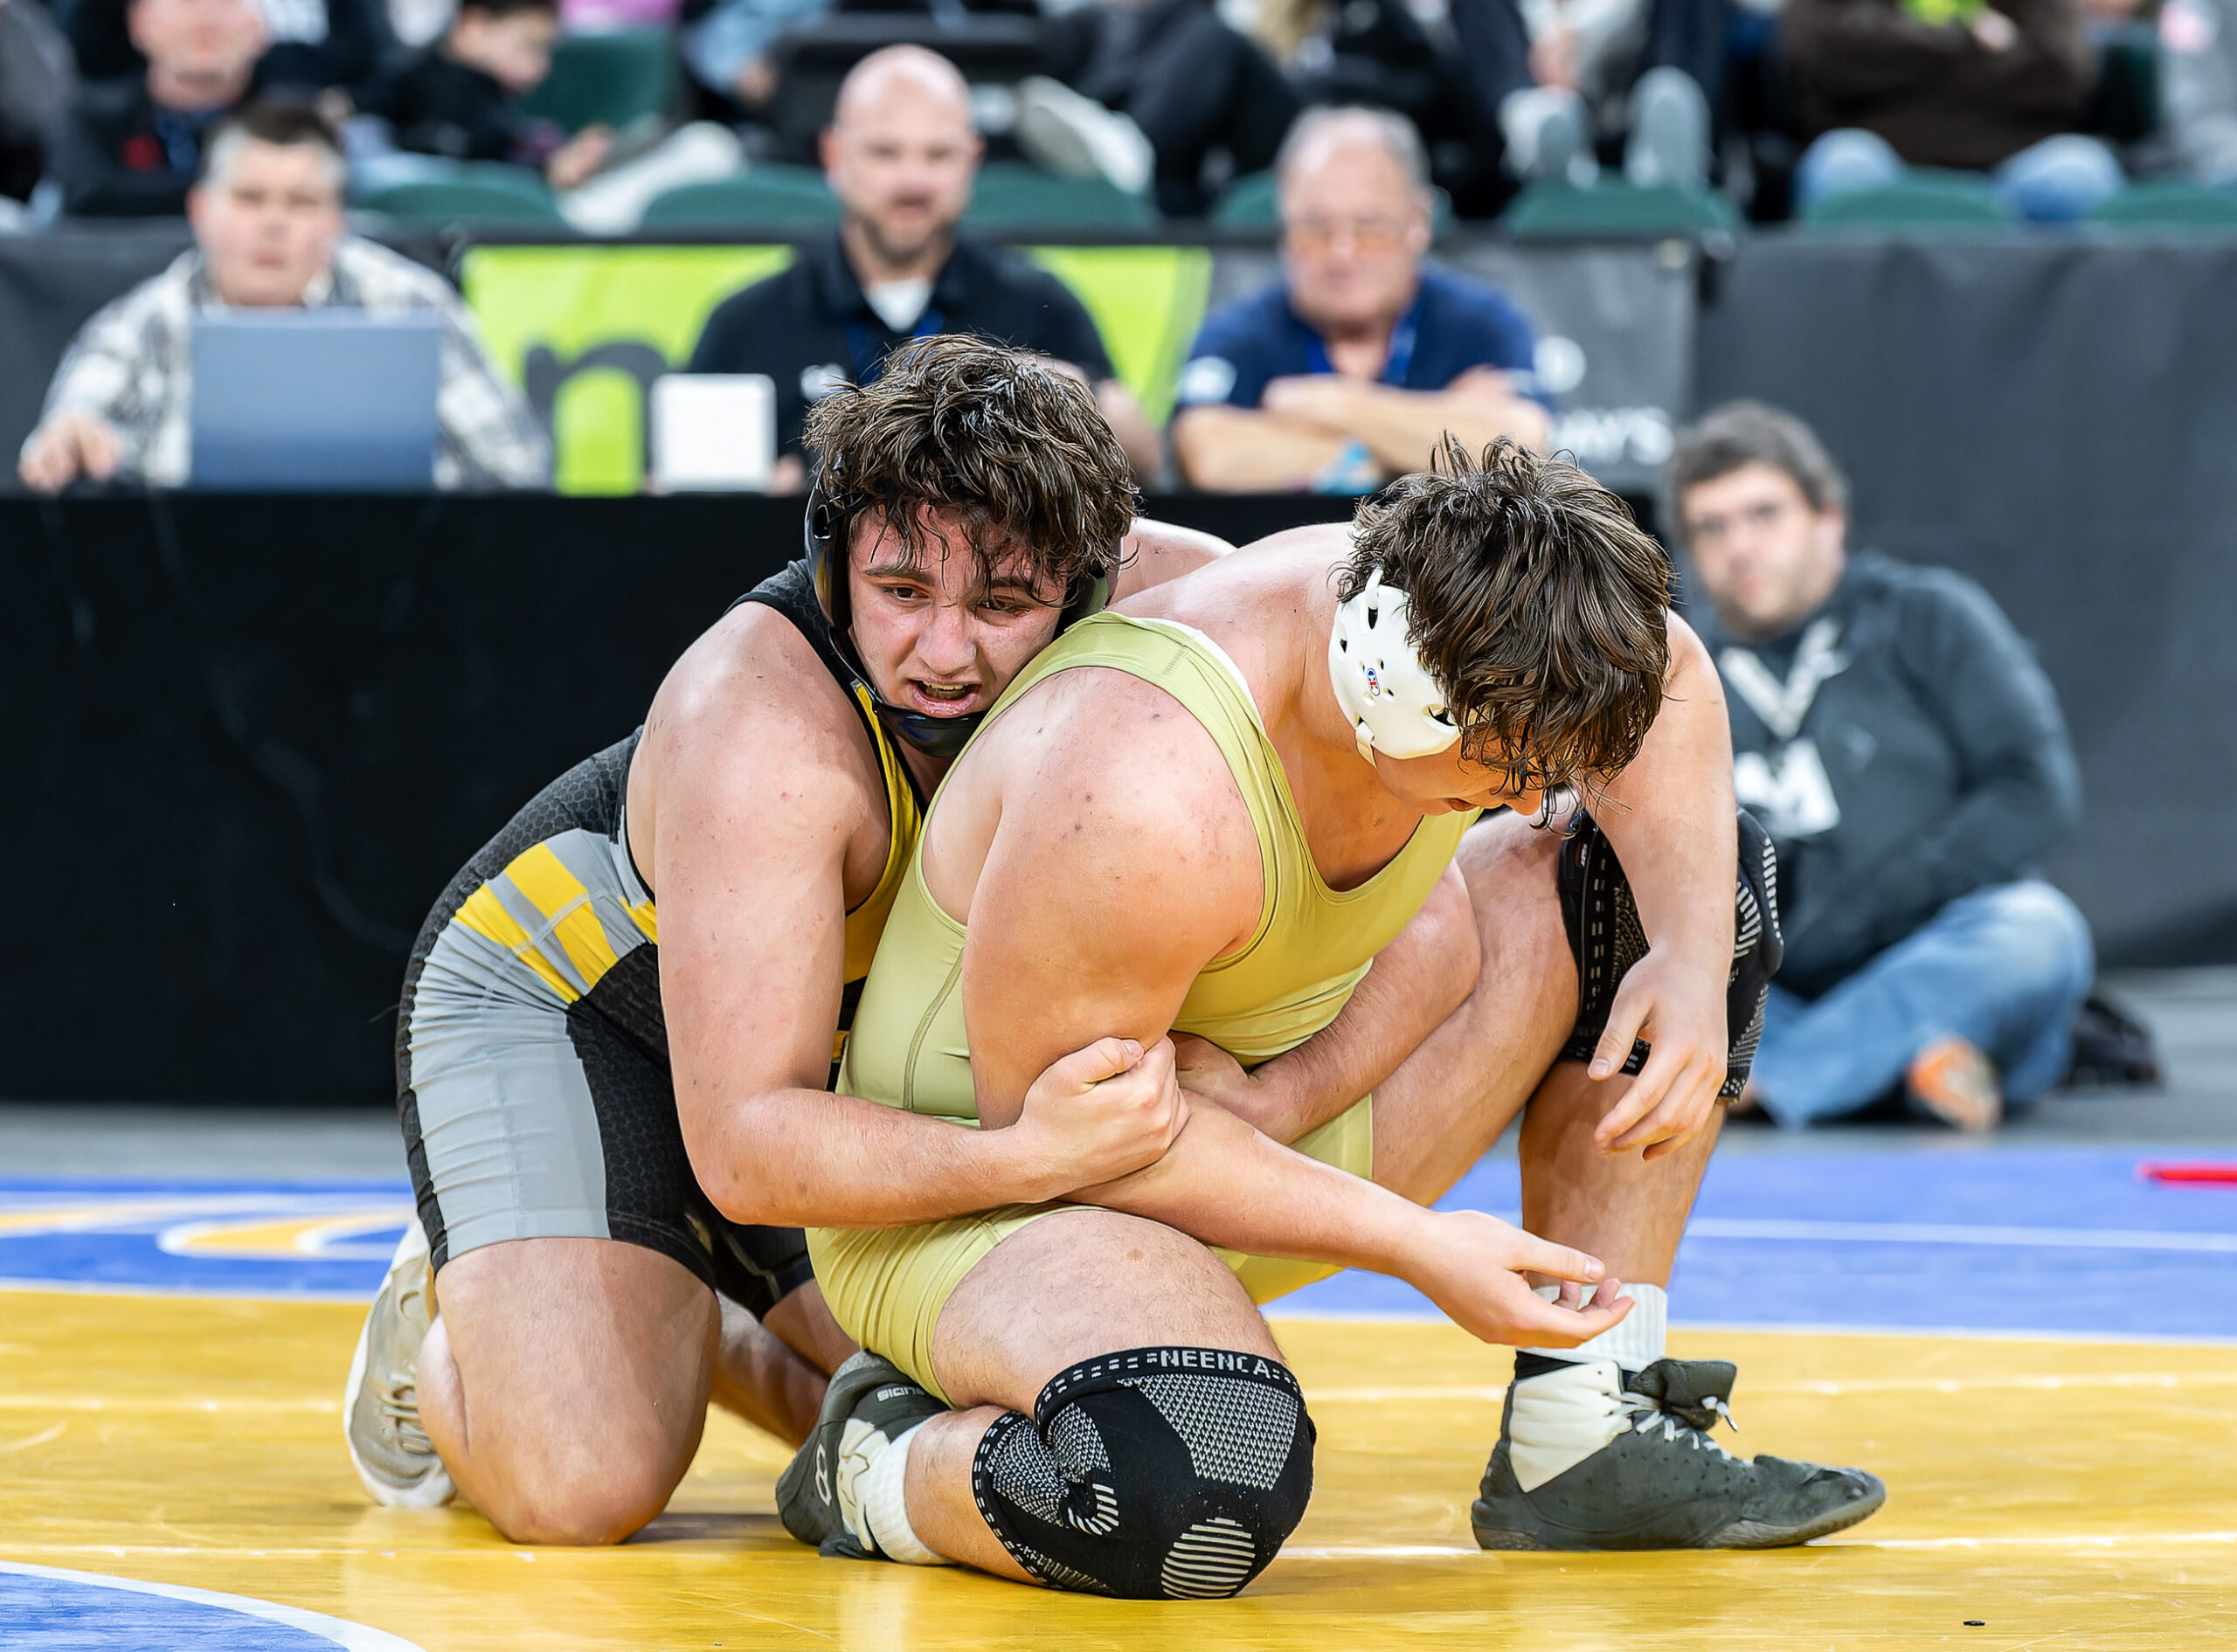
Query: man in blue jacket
{"type": "Point", "coordinates": [1898, 740]}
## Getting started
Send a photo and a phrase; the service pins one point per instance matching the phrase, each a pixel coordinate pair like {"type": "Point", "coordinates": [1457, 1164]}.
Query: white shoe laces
{"type": "Point", "coordinates": [1647, 1413]}
{"type": "Point", "coordinates": [398, 1401]}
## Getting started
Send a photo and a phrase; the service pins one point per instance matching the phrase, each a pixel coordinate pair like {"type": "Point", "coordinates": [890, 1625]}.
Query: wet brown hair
{"type": "Point", "coordinates": [1536, 602]}
{"type": "Point", "coordinates": [1011, 447]}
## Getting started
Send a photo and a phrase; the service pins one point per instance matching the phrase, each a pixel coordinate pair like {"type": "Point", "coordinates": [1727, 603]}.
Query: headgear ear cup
{"type": "Point", "coordinates": [1394, 706]}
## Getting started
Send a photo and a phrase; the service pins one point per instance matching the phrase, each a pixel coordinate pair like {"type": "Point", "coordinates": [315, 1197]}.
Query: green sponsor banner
{"type": "Point", "coordinates": [587, 329]}
{"type": "Point", "coordinates": [1147, 302]}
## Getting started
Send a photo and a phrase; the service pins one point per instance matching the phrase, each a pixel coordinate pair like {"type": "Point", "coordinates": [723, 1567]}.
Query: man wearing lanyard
{"type": "Point", "coordinates": [900, 154]}
{"type": "Point", "coordinates": [1350, 371]}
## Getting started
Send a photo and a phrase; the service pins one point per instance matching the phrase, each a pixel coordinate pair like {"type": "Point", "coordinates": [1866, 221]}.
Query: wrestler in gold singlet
{"type": "Point", "coordinates": [1312, 946]}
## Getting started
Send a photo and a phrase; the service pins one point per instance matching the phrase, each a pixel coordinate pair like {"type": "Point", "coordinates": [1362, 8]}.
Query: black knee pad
{"type": "Point", "coordinates": [1606, 938]}
{"type": "Point", "coordinates": [1154, 1474]}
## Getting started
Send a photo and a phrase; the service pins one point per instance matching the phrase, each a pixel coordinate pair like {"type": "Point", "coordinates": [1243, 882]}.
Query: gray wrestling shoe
{"type": "Point", "coordinates": [1654, 1479]}
{"type": "Point", "coordinates": [380, 1408]}
{"type": "Point", "coordinates": [871, 1404]}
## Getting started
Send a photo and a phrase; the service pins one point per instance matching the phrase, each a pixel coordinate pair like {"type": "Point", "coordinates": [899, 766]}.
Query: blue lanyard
{"type": "Point", "coordinates": [869, 360]}
{"type": "Point", "coordinates": [1394, 365]}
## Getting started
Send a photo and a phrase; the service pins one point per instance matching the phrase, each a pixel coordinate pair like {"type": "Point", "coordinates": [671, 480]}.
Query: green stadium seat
{"type": "Point", "coordinates": [1925, 196]}
{"type": "Point", "coordinates": [488, 190]}
{"type": "Point", "coordinates": [768, 194]}
{"type": "Point", "coordinates": [2171, 205]}
{"type": "Point", "coordinates": [615, 78]}
{"type": "Point", "coordinates": [1556, 211]}
{"type": "Point", "coordinates": [1010, 192]}
{"type": "Point", "coordinates": [1252, 202]}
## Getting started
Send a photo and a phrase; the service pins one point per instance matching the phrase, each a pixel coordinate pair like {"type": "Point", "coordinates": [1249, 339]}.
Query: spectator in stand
{"type": "Point", "coordinates": [1884, 85]}
{"type": "Point", "coordinates": [37, 85]}
{"type": "Point", "coordinates": [1898, 741]}
{"type": "Point", "coordinates": [133, 146]}
{"type": "Point", "coordinates": [900, 153]}
{"type": "Point", "coordinates": [1352, 370]}
{"type": "Point", "coordinates": [460, 98]}
{"type": "Point", "coordinates": [1558, 77]}
{"type": "Point", "coordinates": [1189, 83]}
{"type": "Point", "coordinates": [311, 45]}
{"type": "Point", "coordinates": [2197, 86]}
{"type": "Point", "coordinates": [268, 234]}
{"type": "Point", "coordinates": [727, 50]}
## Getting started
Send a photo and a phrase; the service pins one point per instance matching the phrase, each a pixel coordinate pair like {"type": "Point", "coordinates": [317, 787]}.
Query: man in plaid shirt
{"type": "Point", "coordinates": [269, 233]}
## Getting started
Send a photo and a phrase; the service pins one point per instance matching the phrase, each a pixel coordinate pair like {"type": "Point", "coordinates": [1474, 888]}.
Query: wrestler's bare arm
{"type": "Point", "coordinates": [748, 797]}
{"type": "Point", "coordinates": [1155, 551]}
{"type": "Point", "coordinates": [1101, 875]}
{"type": "Point", "coordinates": [1416, 984]}
{"type": "Point", "coordinates": [1669, 815]}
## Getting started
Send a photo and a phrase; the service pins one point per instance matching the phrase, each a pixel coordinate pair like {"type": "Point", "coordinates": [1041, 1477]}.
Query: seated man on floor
{"type": "Point", "coordinates": [269, 234]}
{"type": "Point", "coordinates": [1352, 368]}
{"type": "Point", "coordinates": [901, 154]}
{"type": "Point", "coordinates": [1207, 813]}
{"type": "Point", "coordinates": [1906, 751]}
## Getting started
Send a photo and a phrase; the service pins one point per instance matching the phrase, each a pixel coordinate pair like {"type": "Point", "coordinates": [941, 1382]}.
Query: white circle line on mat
{"type": "Point", "coordinates": [354, 1636]}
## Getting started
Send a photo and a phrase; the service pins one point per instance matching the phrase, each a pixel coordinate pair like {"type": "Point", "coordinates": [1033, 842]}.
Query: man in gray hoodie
{"type": "Point", "coordinates": [1897, 739]}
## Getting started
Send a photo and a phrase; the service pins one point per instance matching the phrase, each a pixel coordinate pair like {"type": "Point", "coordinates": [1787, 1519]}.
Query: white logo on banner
{"type": "Point", "coordinates": [1614, 435]}
{"type": "Point", "coordinates": [1787, 787]}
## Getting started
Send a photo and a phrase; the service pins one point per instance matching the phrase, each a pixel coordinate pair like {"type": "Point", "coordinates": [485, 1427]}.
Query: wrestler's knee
{"type": "Point", "coordinates": [579, 1499]}
{"type": "Point", "coordinates": [1157, 1472]}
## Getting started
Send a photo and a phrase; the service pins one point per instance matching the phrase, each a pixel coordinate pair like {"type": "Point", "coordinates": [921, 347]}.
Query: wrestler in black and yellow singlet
{"type": "Point", "coordinates": [531, 1054]}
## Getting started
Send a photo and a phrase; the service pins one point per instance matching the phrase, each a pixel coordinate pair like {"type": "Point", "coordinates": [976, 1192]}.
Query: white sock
{"type": "Point", "coordinates": [884, 1490]}
{"type": "Point", "coordinates": [1642, 1338]}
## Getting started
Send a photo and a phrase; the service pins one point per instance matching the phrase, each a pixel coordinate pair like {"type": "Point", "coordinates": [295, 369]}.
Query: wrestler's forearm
{"type": "Point", "coordinates": [809, 1158]}
{"type": "Point", "coordinates": [1669, 814]}
{"type": "Point", "coordinates": [1418, 982]}
{"type": "Point", "coordinates": [1224, 1184]}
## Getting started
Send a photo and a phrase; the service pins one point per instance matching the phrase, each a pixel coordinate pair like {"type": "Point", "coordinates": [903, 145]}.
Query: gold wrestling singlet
{"type": "Point", "coordinates": [1312, 946]}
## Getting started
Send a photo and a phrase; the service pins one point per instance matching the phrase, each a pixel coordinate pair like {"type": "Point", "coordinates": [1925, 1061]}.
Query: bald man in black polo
{"type": "Point", "coordinates": [901, 154]}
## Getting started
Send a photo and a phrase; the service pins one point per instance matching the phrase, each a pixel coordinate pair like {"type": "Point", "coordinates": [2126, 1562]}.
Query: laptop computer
{"type": "Point", "coordinates": [333, 400]}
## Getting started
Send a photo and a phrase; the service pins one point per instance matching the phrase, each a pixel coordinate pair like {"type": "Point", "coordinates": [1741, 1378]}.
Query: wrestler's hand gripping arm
{"type": "Point", "coordinates": [1669, 817]}
{"type": "Point", "coordinates": [758, 808]}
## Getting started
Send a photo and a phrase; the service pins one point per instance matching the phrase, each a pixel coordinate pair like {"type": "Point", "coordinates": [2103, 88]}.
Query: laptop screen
{"type": "Point", "coordinates": [330, 400]}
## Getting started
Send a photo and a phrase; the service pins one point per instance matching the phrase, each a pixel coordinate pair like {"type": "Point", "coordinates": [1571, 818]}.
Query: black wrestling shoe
{"type": "Point", "coordinates": [1659, 1481]}
{"type": "Point", "coordinates": [870, 1404]}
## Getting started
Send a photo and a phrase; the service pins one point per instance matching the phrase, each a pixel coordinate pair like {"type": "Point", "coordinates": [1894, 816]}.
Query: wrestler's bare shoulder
{"type": "Point", "coordinates": [1254, 603]}
{"type": "Point", "coordinates": [750, 717]}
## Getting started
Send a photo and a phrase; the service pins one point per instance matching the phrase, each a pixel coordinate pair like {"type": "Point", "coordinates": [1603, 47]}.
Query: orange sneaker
{"type": "Point", "coordinates": [1952, 1080]}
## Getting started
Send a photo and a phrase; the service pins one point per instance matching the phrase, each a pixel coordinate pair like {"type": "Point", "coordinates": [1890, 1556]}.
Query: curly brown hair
{"type": "Point", "coordinates": [1009, 445]}
{"type": "Point", "coordinates": [1536, 602]}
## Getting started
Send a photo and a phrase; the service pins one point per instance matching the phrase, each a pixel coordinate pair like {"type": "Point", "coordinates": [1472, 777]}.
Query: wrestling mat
{"type": "Point", "coordinates": [2039, 1357]}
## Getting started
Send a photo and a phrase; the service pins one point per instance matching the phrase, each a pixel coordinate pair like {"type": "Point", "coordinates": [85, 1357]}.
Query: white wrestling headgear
{"type": "Point", "coordinates": [1394, 705]}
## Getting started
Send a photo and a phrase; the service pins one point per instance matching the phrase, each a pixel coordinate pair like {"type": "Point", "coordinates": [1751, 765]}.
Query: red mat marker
{"type": "Point", "coordinates": [2198, 1175]}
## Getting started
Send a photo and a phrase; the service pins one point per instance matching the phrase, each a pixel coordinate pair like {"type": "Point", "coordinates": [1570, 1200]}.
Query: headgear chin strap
{"type": "Point", "coordinates": [1394, 706]}
{"type": "Point", "coordinates": [826, 562]}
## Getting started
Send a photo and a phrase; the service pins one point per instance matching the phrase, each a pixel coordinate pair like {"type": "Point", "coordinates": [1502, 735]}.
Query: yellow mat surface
{"type": "Point", "coordinates": [2066, 1495]}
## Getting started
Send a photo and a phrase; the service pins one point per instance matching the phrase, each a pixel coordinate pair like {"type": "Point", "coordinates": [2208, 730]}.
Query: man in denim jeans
{"type": "Point", "coordinates": [1896, 737]}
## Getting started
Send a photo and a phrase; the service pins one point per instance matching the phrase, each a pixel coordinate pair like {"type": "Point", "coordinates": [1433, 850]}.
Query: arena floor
{"type": "Point", "coordinates": [2032, 1341]}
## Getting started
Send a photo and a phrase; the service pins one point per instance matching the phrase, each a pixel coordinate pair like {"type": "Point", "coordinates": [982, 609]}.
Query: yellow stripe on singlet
{"type": "Point", "coordinates": [866, 923]}
{"type": "Point", "coordinates": [558, 894]}
{"type": "Point", "coordinates": [485, 915]}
